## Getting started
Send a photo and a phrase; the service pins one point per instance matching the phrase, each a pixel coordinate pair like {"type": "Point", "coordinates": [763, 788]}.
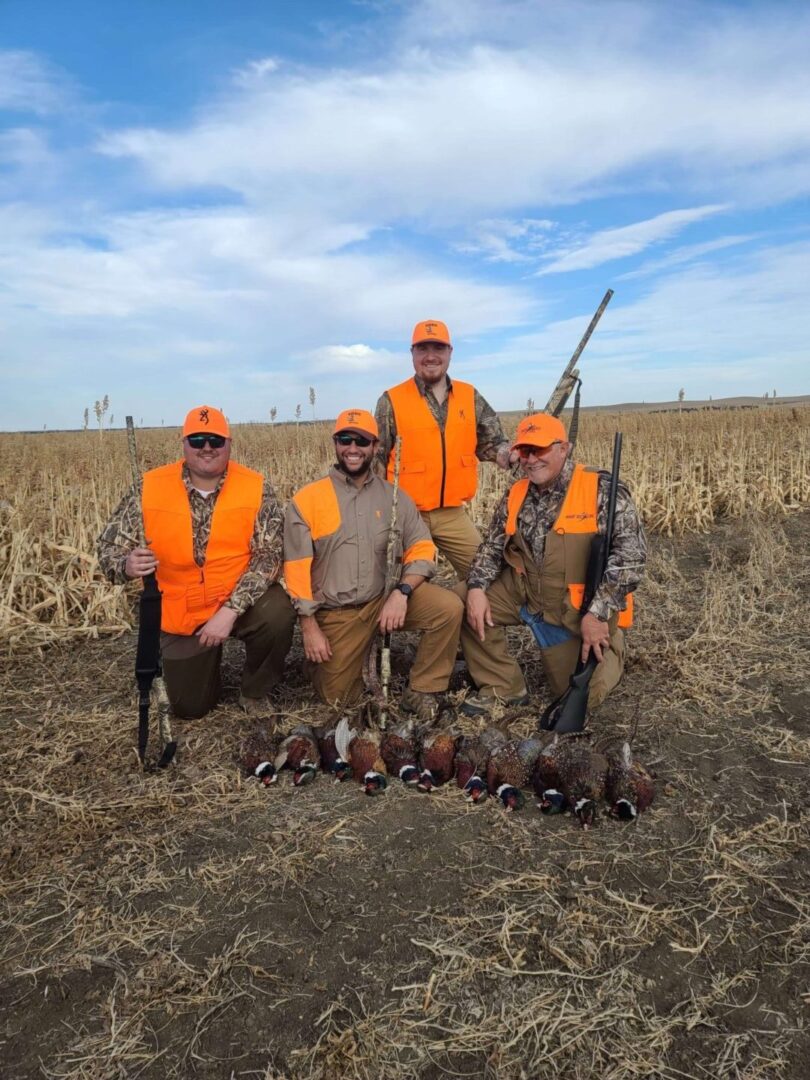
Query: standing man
{"type": "Point", "coordinates": [446, 428]}
{"type": "Point", "coordinates": [213, 532]}
{"type": "Point", "coordinates": [531, 568]}
{"type": "Point", "coordinates": [335, 545]}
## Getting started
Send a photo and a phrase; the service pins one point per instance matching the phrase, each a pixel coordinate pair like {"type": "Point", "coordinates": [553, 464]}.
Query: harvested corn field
{"type": "Point", "coordinates": [193, 923]}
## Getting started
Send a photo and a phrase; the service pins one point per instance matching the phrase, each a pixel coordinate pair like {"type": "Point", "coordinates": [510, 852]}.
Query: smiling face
{"type": "Point", "coordinates": [207, 464]}
{"type": "Point", "coordinates": [431, 360]}
{"type": "Point", "coordinates": [543, 464]}
{"type": "Point", "coordinates": [354, 460]}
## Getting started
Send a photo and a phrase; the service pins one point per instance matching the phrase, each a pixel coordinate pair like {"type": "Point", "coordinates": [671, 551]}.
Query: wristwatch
{"type": "Point", "coordinates": [406, 590]}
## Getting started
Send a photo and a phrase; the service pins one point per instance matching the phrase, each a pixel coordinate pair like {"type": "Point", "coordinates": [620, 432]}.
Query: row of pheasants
{"type": "Point", "coordinates": [566, 772]}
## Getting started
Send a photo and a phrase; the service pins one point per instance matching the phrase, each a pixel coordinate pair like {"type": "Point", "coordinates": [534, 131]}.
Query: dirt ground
{"type": "Point", "coordinates": [191, 923]}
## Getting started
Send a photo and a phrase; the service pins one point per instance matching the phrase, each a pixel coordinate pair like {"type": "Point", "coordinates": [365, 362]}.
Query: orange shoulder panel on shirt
{"type": "Point", "coordinates": [422, 549]}
{"type": "Point", "coordinates": [318, 505]}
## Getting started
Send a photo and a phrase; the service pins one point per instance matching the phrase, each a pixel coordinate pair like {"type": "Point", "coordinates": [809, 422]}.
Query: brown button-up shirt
{"type": "Point", "coordinates": [347, 565]}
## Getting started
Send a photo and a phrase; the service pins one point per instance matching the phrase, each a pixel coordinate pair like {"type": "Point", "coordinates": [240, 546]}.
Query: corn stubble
{"type": "Point", "coordinates": [686, 471]}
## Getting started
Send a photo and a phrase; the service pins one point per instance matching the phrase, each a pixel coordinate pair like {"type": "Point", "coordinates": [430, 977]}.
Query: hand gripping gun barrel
{"type": "Point", "coordinates": [567, 713]}
{"type": "Point", "coordinates": [148, 667]}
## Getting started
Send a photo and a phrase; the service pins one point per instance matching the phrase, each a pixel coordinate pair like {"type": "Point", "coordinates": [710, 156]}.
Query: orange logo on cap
{"type": "Point", "coordinates": [430, 328]}
{"type": "Point", "coordinates": [530, 427]}
{"type": "Point", "coordinates": [352, 415]}
{"type": "Point", "coordinates": [204, 416]}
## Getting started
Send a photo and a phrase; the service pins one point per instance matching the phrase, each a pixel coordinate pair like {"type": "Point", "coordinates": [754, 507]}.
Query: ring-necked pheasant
{"type": "Point", "coordinates": [398, 750]}
{"type": "Point", "coordinates": [582, 775]}
{"type": "Point", "coordinates": [331, 761]}
{"type": "Point", "coordinates": [299, 752]}
{"type": "Point", "coordinates": [510, 768]}
{"type": "Point", "coordinates": [472, 757]}
{"type": "Point", "coordinates": [629, 788]}
{"type": "Point", "coordinates": [361, 748]}
{"type": "Point", "coordinates": [257, 754]}
{"type": "Point", "coordinates": [436, 757]}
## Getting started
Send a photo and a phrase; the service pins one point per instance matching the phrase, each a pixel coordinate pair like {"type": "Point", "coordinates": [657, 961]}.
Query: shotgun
{"type": "Point", "coordinates": [391, 578]}
{"type": "Point", "coordinates": [567, 713]}
{"type": "Point", "coordinates": [148, 667]}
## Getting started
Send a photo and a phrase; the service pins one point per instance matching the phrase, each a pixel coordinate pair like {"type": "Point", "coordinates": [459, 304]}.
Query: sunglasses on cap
{"type": "Point", "coordinates": [199, 439]}
{"type": "Point", "coordinates": [526, 452]}
{"type": "Point", "coordinates": [346, 438]}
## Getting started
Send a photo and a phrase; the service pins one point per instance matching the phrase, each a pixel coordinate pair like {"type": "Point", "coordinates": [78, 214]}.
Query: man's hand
{"type": "Point", "coordinates": [394, 610]}
{"type": "Point", "coordinates": [505, 458]}
{"type": "Point", "coordinates": [217, 628]}
{"type": "Point", "coordinates": [596, 636]}
{"type": "Point", "coordinates": [316, 644]}
{"type": "Point", "coordinates": [140, 562]}
{"type": "Point", "coordinates": [479, 613]}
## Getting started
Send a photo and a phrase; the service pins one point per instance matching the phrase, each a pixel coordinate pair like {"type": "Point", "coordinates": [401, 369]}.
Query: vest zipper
{"type": "Point", "coordinates": [444, 468]}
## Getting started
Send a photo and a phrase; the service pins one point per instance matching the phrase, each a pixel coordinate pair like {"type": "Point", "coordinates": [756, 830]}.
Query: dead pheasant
{"type": "Point", "coordinates": [510, 768]}
{"type": "Point", "coordinates": [582, 774]}
{"type": "Point", "coordinates": [331, 761]}
{"type": "Point", "coordinates": [436, 757]}
{"type": "Point", "coordinates": [257, 754]}
{"type": "Point", "coordinates": [361, 748]}
{"type": "Point", "coordinates": [629, 788]}
{"type": "Point", "coordinates": [472, 757]}
{"type": "Point", "coordinates": [398, 750]}
{"type": "Point", "coordinates": [546, 780]}
{"type": "Point", "coordinates": [299, 752]}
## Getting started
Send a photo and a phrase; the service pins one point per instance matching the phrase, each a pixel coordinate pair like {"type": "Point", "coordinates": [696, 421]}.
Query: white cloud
{"type": "Point", "coordinates": [347, 359]}
{"type": "Point", "coordinates": [619, 243]}
{"type": "Point", "coordinates": [502, 240]}
{"type": "Point", "coordinates": [29, 85]}
{"type": "Point", "coordinates": [255, 71]}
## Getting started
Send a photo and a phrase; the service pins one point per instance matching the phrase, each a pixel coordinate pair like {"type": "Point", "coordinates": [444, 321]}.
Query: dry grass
{"type": "Point", "coordinates": [195, 924]}
{"type": "Point", "coordinates": [56, 491]}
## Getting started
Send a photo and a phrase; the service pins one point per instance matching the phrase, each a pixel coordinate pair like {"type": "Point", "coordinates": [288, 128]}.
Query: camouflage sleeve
{"type": "Point", "coordinates": [488, 560]}
{"type": "Point", "coordinates": [386, 422]}
{"type": "Point", "coordinates": [120, 536]}
{"type": "Point", "coordinates": [628, 552]}
{"type": "Point", "coordinates": [488, 430]}
{"type": "Point", "coordinates": [264, 567]}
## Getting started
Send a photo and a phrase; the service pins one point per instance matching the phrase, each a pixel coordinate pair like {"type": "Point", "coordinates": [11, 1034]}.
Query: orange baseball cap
{"type": "Point", "coordinates": [430, 330]}
{"type": "Point", "coordinates": [357, 420]}
{"type": "Point", "coordinates": [539, 429]}
{"type": "Point", "coordinates": [208, 419]}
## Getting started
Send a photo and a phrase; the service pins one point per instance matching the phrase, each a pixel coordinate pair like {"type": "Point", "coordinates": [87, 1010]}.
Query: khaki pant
{"type": "Point", "coordinates": [497, 674]}
{"type": "Point", "coordinates": [192, 672]}
{"type": "Point", "coordinates": [454, 535]}
{"type": "Point", "coordinates": [435, 611]}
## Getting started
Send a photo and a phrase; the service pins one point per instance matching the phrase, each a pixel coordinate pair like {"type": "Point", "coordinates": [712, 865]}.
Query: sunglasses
{"type": "Point", "coordinates": [526, 452]}
{"type": "Point", "coordinates": [346, 438]}
{"type": "Point", "coordinates": [198, 441]}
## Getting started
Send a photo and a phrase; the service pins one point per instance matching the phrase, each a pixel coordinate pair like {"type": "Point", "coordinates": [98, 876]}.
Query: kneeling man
{"type": "Point", "coordinates": [531, 567]}
{"type": "Point", "coordinates": [335, 544]}
{"type": "Point", "coordinates": [213, 532]}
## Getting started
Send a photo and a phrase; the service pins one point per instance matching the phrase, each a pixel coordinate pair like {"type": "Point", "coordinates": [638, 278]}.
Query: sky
{"type": "Point", "coordinates": [231, 203]}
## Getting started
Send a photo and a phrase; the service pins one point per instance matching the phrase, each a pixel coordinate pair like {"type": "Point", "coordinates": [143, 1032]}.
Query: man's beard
{"type": "Point", "coordinates": [364, 468]}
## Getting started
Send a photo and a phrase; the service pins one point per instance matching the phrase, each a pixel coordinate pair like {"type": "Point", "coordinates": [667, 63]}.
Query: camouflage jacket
{"type": "Point", "coordinates": [628, 552]}
{"type": "Point", "coordinates": [489, 432]}
{"type": "Point", "coordinates": [120, 535]}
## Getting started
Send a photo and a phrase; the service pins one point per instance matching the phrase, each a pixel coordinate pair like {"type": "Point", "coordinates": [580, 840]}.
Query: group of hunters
{"type": "Point", "coordinates": [220, 544]}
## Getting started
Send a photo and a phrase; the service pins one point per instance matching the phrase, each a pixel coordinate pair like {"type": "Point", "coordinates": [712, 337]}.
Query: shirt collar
{"type": "Point", "coordinates": [190, 487]}
{"type": "Point", "coordinates": [422, 388]}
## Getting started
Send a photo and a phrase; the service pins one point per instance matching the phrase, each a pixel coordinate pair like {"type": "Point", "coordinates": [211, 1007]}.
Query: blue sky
{"type": "Point", "coordinates": [231, 203]}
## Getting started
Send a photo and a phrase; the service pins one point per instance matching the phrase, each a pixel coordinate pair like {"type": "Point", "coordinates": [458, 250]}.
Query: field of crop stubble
{"type": "Point", "coordinates": [192, 924]}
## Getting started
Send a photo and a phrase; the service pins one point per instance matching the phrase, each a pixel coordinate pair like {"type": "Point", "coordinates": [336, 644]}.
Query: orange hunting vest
{"type": "Point", "coordinates": [558, 586]}
{"type": "Point", "coordinates": [436, 469]}
{"type": "Point", "coordinates": [191, 593]}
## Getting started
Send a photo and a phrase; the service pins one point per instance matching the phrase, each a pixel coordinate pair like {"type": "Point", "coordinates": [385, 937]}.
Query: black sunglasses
{"type": "Point", "coordinates": [198, 441]}
{"type": "Point", "coordinates": [346, 438]}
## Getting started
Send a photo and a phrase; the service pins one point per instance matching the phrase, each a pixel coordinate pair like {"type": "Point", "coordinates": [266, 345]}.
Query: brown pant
{"type": "Point", "coordinates": [497, 674]}
{"type": "Point", "coordinates": [435, 611]}
{"type": "Point", "coordinates": [454, 535]}
{"type": "Point", "coordinates": [192, 672]}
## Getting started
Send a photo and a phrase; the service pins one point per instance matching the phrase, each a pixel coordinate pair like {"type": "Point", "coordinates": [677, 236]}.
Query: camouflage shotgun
{"type": "Point", "coordinates": [570, 376]}
{"type": "Point", "coordinates": [392, 567]}
{"type": "Point", "coordinates": [148, 668]}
